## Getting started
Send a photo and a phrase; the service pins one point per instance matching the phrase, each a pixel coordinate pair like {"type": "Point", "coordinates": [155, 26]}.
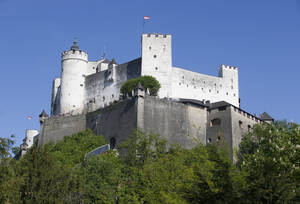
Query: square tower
{"type": "Point", "coordinates": [157, 60]}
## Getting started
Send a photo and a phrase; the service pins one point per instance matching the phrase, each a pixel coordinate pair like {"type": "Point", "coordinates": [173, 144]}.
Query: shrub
{"type": "Point", "coordinates": [148, 82]}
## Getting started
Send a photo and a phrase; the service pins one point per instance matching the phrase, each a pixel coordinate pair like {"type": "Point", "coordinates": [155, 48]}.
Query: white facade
{"type": "Point", "coordinates": [73, 69]}
{"type": "Point", "coordinates": [30, 136]}
{"type": "Point", "coordinates": [88, 85]}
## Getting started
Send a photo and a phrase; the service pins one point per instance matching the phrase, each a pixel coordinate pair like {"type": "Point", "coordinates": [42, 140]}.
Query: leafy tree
{"type": "Point", "coordinates": [270, 158]}
{"type": "Point", "coordinates": [148, 82]}
{"type": "Point", "coordinates": [102, 174]}
{"type": "Point", "coordinates": [6, 145]}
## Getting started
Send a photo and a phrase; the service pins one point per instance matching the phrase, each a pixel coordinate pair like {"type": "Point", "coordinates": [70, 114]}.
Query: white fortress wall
{"type": "Point", "coordinates": [29, 137]}
{"type": "Point", "coordinates": [188, 84]}
{"type": "Point", "coordinates": [91, 67]}
{"type": "Point", "coordinates": [157, 60]}
{"type": "Point", "coordinates": [103, 88]}
{"type": "Point", "coordinates": [55, 95]}
{"type": "Point", "coordinates": [74, 66]}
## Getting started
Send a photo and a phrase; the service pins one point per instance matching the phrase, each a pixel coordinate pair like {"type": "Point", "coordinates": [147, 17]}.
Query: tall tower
{"type": "Point", "coordinates": [157, 60]}
{"type": "Point", "coordinates": [73, 68]}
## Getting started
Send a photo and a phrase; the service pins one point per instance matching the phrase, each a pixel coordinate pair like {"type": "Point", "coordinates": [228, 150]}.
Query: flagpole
{"type": "Point", "coordinates": [143, 25]}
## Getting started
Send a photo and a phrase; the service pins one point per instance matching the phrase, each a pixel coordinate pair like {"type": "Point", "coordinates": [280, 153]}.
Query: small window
{"type": "Point", "coordinates": [209, 90]}
{"type": "Point", "coordinates": [156, 68]}
{"type": "Point", "coordinates": [221, 85]}
{"type": "Point", "coordinates": [226, 93]}
{"type": "Point", "coordinates": [81, 84]}
{"type": "Point", "coordinates": [203, 82]}
{"type": "Point", "coordinates": [240, 123]}
{"type": "Point", "coordinates": [195, 87]}
{"type": "Point", "coordinates": [112, 96]}
{"type": "Point", "coordinates": [154, 56]}
{"type": "Point", "coordinates": [187, 85]}
{"type": "Point", "coordinates": [233, 94]}
{"type": "Point", "coordinates": [218, 138]}
{"type": "Point", "coordinates": [93, 67]}
{"type": "Point", "coordinates": [103, 98]}
{"type": "Point", "coordinates": [183, 77]}
{"type": "Point", "coordinates": [150, 47]}
{"type": "Point", "coordinates": [217, 91]}
{"type": "Point", "coordinates": [209, 140]}
{"type": "Point", "coordinates": [179, 83]}
{"type": "Point", "coordinates": [249, 128]}
{"type": "Point", "coordinates": [215, 122]}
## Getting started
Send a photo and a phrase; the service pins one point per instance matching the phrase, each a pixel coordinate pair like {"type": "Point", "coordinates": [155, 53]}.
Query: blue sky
{"type": "Point", "coordinates": [262, 38]}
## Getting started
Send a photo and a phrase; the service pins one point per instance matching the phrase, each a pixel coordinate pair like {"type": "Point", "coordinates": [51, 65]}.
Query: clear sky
{"type": "Point", "coordinates": [262, 38]}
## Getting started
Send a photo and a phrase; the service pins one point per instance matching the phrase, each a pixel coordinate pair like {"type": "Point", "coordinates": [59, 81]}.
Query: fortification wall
{"type": "Point", "coordinates": [103, 88]}
{"type": "Point", "coordinates": [192, 85]}
{"type": "Point", "coordinates": [219, 127]}
{"type": "Point", "coordinates": [157, 60]}
{"type": "Point", "coordinates": [176, 122]}
{"type": "Point", "coordinates": [115, 122]}
{"type": "Point", "coordinates": [55, 128]}
{"type": "Point", "coordinates": [242, 123]}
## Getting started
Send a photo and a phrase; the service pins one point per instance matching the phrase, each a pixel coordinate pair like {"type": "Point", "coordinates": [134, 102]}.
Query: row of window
{"type": "Point", "coordinates": [217, 122]}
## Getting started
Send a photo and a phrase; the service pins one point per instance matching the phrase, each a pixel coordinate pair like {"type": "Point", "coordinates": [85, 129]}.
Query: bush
{"type": "Point", "coordinates": [148, 82]}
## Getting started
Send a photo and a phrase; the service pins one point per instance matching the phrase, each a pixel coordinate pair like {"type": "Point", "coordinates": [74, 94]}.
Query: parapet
{"type": "Point", "coordinates": [157, 35]}
{"type": "Point", "coordinates": [74, 54]}
{"type": "Point", "coordinates": [223, 66]}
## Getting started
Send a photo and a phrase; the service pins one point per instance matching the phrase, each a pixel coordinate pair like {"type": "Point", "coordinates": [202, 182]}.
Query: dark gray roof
{"type": "Point", "coordinates": [74, 46]}
{"type": "Point", "coordinates": [219, 104]}
{"type": "Point", "coordinates": [266, 116]}
{"type": "Point", "coordinates": [43, 114]}
{"type": "Point", "coordinates": [193, 101]}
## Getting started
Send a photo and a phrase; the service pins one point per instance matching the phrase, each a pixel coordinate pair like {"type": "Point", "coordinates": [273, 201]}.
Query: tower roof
{"type": "Point", "coordinates": [43, 114]}
{"type": "Point", "coordinates": [74, 46]}
{"type": "Point", "coordinates": [113, 61]}
{"type": "Point", "coordinates": [266, 116]}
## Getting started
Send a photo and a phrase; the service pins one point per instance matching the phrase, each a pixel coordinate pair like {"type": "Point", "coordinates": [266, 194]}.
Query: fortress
{"type": "Point", "coordinates": [189, 107]}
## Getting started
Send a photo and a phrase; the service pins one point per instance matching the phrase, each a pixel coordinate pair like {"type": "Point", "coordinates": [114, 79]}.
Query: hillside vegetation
{"type": "Point", "coordinates": [267, 171]}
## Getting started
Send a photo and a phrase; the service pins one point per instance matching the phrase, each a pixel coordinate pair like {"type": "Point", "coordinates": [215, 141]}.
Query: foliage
{"type": "Point", "coordinates": [148, 170]}
{"type": "Point", "coordinates": [270, 157]}
{"type": "Point", "coordinates": [6, 146]}
{"type": "Point", "coordinates": [148, 82]}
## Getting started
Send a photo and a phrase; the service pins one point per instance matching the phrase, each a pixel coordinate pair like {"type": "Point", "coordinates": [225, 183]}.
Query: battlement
{"type": "Point", "coordinates": [228, 67]}
{"type": "Point", "coordinates": [74, 54]}
{"type": "Point", "coordinates": [157, 35]}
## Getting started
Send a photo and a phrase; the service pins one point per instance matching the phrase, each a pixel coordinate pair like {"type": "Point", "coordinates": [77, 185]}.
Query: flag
{"type": "Point", "coordinates": [29, 117]}
{"type": "Point", "coordinates": [146, 17]}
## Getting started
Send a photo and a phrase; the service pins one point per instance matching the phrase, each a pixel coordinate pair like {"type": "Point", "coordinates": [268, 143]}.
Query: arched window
{"type": "Point", "coordinates": [215, 122]}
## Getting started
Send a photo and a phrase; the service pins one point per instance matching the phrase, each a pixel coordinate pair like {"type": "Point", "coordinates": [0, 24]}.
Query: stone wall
{"type": "Point", "coordinates": [176, 122]}
{"type": "Point", "coordinates": [55, 128]}
{"type": "Point", "coordinates": [192, 85]}
{"type": "Point", "coordinates": [115, 122]}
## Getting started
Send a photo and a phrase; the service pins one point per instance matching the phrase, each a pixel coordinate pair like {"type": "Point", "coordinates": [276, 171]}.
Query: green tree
{"type": "Point", "coordinates": [270, 158]}
{"type": "Point", "coordinates": [148, 82]}
{"type": "Point", "coordinates": [102, 175]}
{"type": "Point", "coordinates": [6, 146]}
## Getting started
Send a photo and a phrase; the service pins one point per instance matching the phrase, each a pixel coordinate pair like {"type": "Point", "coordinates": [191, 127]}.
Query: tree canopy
{"type": "Point", "coordinates": [146, 169]}
{"type": "Point", "coordinates": [148, 82]}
